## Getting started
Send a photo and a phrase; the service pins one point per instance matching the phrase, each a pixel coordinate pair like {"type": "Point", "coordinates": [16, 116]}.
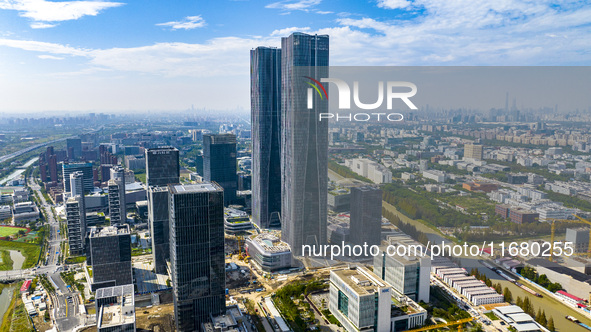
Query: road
{"type": "Point", "coordinates": [31, 148]}
{"type": "Point", "coordinates": [53, 248]}
{"type": "Point", "coordinates": [66, 310]}
{"type": "Point", "coordinates": [66, 300]}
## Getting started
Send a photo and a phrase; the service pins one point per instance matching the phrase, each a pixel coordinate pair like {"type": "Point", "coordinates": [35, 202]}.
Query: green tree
{"type": "Point", "coordinates": [477, 328]}
{"type": "Point", "coordinates": [507, 294]}
{"type": "Point", "coordinates": [551, 325]}
{"type": "Point", "coordinates": [543, 319]}
{"type": "Point", "coordinates": [499, 288]}
{"type": "Point", "coordinates": [519, 302]}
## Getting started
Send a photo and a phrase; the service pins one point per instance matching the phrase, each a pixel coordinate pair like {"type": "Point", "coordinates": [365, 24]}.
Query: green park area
{"type": "Point", "coordinates": [29, 250]}
{"type": "Point", "coordinates": [8, 231]}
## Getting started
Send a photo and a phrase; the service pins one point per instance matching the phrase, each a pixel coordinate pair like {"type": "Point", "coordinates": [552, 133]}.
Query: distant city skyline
{"type": "Point", "coordinates": [119, 56]}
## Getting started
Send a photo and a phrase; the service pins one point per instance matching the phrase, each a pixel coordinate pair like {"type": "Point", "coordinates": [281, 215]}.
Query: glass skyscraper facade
{"type": "Point", "coordinates": [74, 148]}
{"type": "Point", "coordinates": [304, 142]}
{"type": "Point", "coordinates": [85, 168]}
{"type": "Point", "coordinates": [116, 191]}
{"type": "Point", "coordinates": [366, 215]}
{"type": "Point", "coordinates": [162, 166]}
{"type": "Point", "coordinates": [197, 253]}
{"type": "Point", "coordinates": [109, 253]}
{"type": "Point", "coordinates": [265, 97]}
{"type": "Point", "coordinates": [219, 163]}
{"type": "Point", "coordinates": [159, 226]}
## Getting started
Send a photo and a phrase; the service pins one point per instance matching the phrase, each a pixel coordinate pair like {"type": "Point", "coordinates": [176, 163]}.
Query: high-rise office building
{"type": "Point", "coordinates": [366, 216]}
{"type": "Point", "coordinates": [109, 253]}
{"type": "Point", "coordinates": [158, 222]}
{"type": "Point", "coordinates": [74, 148]}
{"type": "Point", "coordinates": [85, 168]}
{"type": "Point", "coordinates": [265, 99]}
{"type": "Point", "coordinates": [116, 191]}
{"type": "Point", "coordinates": [473, 151]}
{"type": "Point", "coordinates": [52, 164]}
{"type": "Point", "coordinates": [197, 253]}
{"type": "Point", "coordinates": [162, 166]}
{"type": "Point", "coordinates": [76, 221]}
{"type": "Point", "coordinates": [77, 184]}
{"type": "Point", "coordinates": [304, 142]}
{"type": "Point", "coordinates": [106, 172]}
{"type": "Point", "coordinates": [219, 163]}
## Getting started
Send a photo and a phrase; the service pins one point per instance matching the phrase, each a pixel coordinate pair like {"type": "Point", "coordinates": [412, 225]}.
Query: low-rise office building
{"type": "Point", "coordinates": [361, 301]}
{"type": "Point", "coordinates": [24, 212]}
{"type": "Point", "coordinates": [268, 252]}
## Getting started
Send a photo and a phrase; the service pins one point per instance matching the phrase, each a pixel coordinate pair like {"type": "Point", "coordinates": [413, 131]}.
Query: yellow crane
{"type": "Point", "coordinates": [579, 220]}
{"type": "Point", "coordinates": [240, 240]}
{"type": "Point", "coordinates": [459, 322]}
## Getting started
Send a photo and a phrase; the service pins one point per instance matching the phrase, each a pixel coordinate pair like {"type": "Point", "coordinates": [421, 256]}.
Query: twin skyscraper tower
{"type": "Point", "coordinates": [289, 144]}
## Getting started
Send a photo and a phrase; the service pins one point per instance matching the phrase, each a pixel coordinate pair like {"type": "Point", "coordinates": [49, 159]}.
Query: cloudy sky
{"type": "Point", "coordinates": [168, 55]}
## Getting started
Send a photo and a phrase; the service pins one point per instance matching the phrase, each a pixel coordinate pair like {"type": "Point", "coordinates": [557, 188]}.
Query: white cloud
{"type": "Point", "coordinates": [323, 12]}
{"type": "Point", "coordinates": [304, 5]}
{"type": "Point", "coordinates": [188, 23]}
{"type": "Point", "coordinates": [287, 31]}
{"type": "Point", "coordinates": [37, 46]}
{"type": "Point", "coordinates": [50, 57]}
{"type": "Point", "coordinates": [488, 33]}
{"type": "Point", "coordinates": [51, 11]}
{"type": "Point", "coordinates": [394, 4]}
{"type": "Point", "coordinates": [41, 25]}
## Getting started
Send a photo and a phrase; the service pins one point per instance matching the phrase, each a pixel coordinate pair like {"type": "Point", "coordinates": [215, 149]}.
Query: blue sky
{"type": "Point", "coordinates": [168, 55]}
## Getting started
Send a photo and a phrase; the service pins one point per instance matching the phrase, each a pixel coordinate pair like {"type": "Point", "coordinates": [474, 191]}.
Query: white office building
{"type": "Point", "coordinates": [408, 275]}
{"type": "Point", "coordinates": [372, 170]}
{"type": "Point", "coordinates": [435, 175]}
{"type": "Point", "coordinates": [361, 301]}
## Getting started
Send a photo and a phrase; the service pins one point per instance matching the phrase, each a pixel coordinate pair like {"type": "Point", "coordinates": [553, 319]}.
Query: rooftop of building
{"type": "Point", "coordinates": [360, 281]}
{"type": "Point", "coordinates": [579, 276]}
{"type": "Point", "coordinates": [195, 188]}
{"type": "Point", "coordinates": [108, 231]}
{"type": "Point", "coordinates": [339, 191]}
{"type": "Point", "coordinates": [119, 313]}
{"type": "Point", "coordinates": [270, 243]}
{"type": "Point", "coordinates": [161, 148]}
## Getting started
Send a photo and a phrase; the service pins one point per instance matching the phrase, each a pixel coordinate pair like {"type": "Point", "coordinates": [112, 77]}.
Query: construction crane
{"type": "Point", "coordinates": [579, 221]}
{"type": "Point", "coordinates": [240, 240]}
{"type": "Point", "coordinates": [459, 322]}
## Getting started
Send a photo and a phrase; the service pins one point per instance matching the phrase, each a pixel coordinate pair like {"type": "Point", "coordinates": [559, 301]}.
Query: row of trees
{"type": "Point", "coordinates": [542, 280]}
{"type": "Point", "coordinates": [417, 206]}
{"type": "Point", "coordinates": [540, 317]}
{"type": "Point", "coordinates": [408, 229]}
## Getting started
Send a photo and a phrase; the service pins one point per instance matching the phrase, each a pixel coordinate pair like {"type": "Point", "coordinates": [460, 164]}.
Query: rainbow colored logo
{"type": "Point", "coordinates": [315, 86]}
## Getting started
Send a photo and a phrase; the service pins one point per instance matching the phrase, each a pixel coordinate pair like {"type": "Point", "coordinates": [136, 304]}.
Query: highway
{"type": "Point", "coordinates": [67, 303]}
{"type": "Point", "coordinates": [29, 149]}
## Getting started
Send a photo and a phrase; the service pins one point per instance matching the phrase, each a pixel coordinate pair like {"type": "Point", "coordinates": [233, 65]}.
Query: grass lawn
{"type": "Point", "coordinates": [30, 251]}
{"type": "Point", "coordinates": [7, 231]}
{"type": "Point", "coordinates": [491, 316]}
{"type": "Point", "coordinates": [7, 262]}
